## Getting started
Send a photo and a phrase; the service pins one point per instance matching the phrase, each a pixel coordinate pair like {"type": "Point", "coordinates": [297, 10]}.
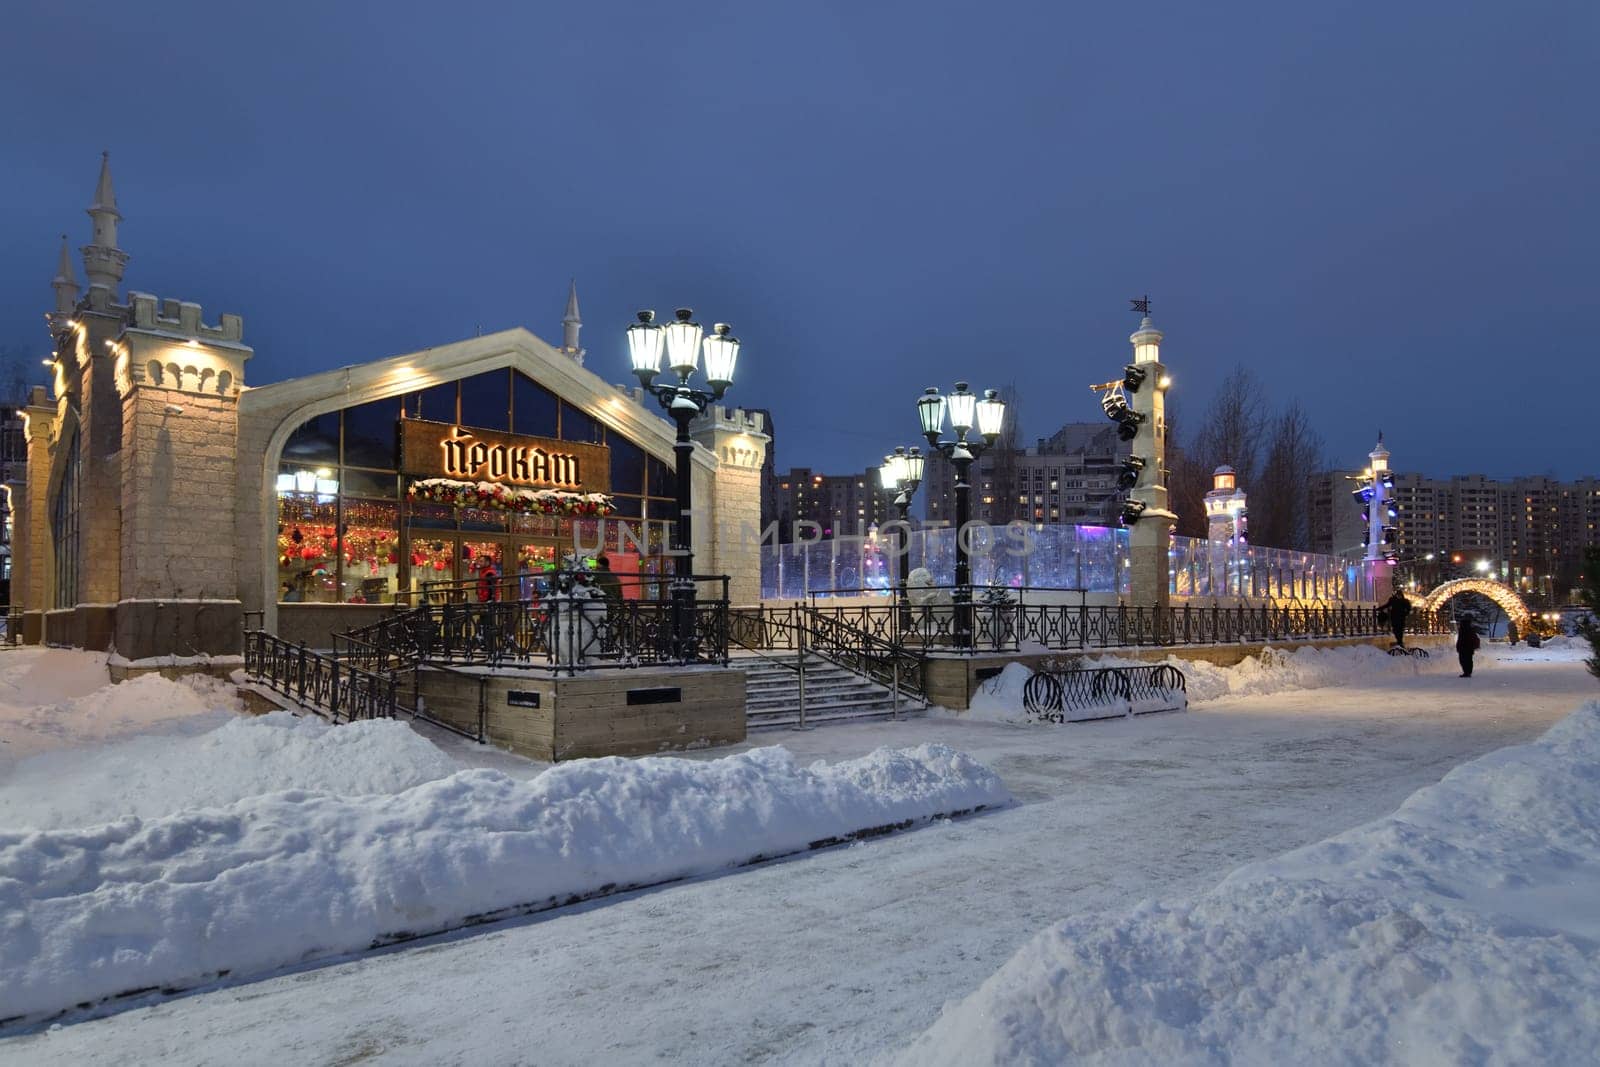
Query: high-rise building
{"type": "Point", "coordinates": [1069, 477]}
{"type": "Point", "coordinates": [842, 505]}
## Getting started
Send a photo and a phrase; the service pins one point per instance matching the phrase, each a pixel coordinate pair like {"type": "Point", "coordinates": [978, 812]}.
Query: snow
{"type": "Point", "coordinates": [55, 698]}
{"type": "Point", "coordinates": [1461, 928]}
{"type": "Point", "coordinates": [275, 879]}
{"type": "Point", "coordinates": [1276, 670]}
{"type": "Point", "coordinates": [843, 954]}
{"type": "Point", "coordinates": [159, 775]}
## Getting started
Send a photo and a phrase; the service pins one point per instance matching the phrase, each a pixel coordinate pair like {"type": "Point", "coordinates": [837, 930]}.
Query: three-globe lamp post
{"type": "Point", "coordinates": [966, 411]}
{"type": "Point", "coordinates": [683, 340]}
{"type": "Point", "coordinates": [900, 474]}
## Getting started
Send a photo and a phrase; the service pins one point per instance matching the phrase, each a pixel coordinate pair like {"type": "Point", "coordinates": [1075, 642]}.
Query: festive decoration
{"type": "Point", "coordinates": [505, 498]}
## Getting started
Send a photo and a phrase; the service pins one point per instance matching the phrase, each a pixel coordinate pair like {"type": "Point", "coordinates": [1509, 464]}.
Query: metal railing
{"type": "Point", "coordinates": [1056, 694]}
{"type": "Point", "coordinates": [561, 634]}
{"type": "Point", "coordinates": [836, 638]}
{"type": "Point", "coordinates": [1046, 626]}
{"type": "Point", "coordinates": [341, 690]}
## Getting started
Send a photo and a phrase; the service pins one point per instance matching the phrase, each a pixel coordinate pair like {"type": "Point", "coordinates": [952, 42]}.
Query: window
{"type": "Point", "coordinates": [64, 528]}
{"type": "Point", "coordinates": [344, 533]}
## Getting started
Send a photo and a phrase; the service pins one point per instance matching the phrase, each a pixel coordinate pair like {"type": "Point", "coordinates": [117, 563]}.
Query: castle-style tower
{"type": "Point", "coordinates": [128, 529]}
{"type": "Point", "coordinates": [571, 323]}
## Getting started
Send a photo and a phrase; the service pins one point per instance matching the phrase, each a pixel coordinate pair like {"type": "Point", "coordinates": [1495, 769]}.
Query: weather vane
{"type": "Point", "coordinates": [1142, 306]}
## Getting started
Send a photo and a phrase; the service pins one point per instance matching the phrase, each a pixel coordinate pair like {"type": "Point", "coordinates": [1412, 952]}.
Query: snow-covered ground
{"type": "Point", "coordinates": [54, 698]}
{"type": "Point", "coordinates": [1460, 929]}
{"type": "Point", "coordinates": [850, 952]}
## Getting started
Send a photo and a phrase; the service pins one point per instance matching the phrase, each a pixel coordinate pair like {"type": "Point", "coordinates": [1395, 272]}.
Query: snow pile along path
{"type": "Point", "coordinates": [158, 775]}
{"type": "Point", "coordinates": [1275, 670]}
{"type": "Point", "coordinates": [273, 880]}
{"type": "Point", "coordinates": [1460, 929]}
{"type": "Point", "coordinates": [55, 698]}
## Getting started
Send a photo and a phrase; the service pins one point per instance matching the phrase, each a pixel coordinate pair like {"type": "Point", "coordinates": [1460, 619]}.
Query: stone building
{"type": "Point", "coordinates": [167, 502]}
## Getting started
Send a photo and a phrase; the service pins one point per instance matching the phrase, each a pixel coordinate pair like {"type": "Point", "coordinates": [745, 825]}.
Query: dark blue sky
{"type": "Point", "coordinates": [1385, 210]}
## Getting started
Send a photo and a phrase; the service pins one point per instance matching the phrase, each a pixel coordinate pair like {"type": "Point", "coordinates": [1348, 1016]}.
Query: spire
{"type": "Point", "coordinates": [65, 283]}
{"type": "Point", "coordinates": [103, 261]}
{"type": "Point", "coordinates": [571, 323]}
{"type": "Point", "coordinates": [105, 197]}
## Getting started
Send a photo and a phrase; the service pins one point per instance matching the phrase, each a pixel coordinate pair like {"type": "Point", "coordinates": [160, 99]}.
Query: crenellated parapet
{"type": "Point", "coordinates": [738, 437]}
{"type": "Point", "coordinates": [166, 344]}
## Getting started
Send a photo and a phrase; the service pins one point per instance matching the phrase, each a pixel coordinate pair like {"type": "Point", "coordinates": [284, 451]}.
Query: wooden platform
{"type": "Point", "coordinates": [599, 713]}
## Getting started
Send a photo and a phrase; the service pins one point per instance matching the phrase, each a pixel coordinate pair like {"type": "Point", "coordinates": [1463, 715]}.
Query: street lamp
{"type": "Point", "coordinates": [900, 474]}
{"type": "Point", "coordinates": [683, 341]}
{"type": "Point", "coordinates": [964, 410]}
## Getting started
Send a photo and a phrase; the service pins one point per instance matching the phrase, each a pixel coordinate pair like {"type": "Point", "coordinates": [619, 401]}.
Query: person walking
{"type": "Point", "coordinates": [1397, 607]}
{"type": "Point", "coordinates": [1466, 645]}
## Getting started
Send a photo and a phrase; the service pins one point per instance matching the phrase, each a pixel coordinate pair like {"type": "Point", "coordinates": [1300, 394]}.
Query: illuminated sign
{"type": "Point", "coordinates": [442, 450]}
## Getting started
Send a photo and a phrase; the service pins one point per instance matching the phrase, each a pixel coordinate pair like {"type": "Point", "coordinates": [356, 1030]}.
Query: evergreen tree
{"type": "Point", "coordinates": [1589, 597]}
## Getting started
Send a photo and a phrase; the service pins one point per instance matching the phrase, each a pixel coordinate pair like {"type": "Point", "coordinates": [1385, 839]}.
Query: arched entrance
{"type": "Point", "coordinates": [1504, 597]}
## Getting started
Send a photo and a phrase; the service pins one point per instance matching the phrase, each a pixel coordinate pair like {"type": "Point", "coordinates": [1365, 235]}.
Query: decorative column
{"type": "Point", "coordinates": [33, 558]}
{"type": "Point", "coordinates": [1149, 538]}
{"type": "Point", "coordinates": [739, 440]}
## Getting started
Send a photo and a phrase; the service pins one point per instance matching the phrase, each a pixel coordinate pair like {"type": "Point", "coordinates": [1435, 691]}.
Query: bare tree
{"type": "Point", "coordinates": [1234, 426]}
{"type": "Point", "coordinates": [1280, 495]}
{"type": "Point", "coordinates": [1230, 433]}
{"type": "Point", "coordinates": [1187, 478]}
{"type": "Point", "coordinates": [18, 366]}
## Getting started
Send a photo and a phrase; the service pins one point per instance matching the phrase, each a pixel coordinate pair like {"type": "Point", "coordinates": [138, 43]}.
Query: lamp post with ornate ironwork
{"type": "Point", "coordinates": [683, 340]}
{"type": "Point", "coordinates": [965, 410]}
{"type": "Point", "coordinates": [900, 474]}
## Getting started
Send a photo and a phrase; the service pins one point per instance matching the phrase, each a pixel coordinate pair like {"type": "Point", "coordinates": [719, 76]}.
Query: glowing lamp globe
{"type": "Point", "coordinates": [963, 406]}
{"type": "Point", "coordinates": [722, 353]}
{"type": "Point", "coordinates": [644, 347]}
{"type": "Point", "coordinates": [683, 343]}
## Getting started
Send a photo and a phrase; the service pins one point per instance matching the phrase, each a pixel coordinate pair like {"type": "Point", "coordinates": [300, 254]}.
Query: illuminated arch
{"type": "Point", "coordinates": [1503, 596]}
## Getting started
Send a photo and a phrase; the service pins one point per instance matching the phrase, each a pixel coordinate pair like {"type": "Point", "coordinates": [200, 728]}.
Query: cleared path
{"type": "Point", "coordinates": [839, 955]}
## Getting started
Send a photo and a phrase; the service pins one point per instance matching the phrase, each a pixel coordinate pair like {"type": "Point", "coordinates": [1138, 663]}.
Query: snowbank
{"type": "Point", "coordinates": [158, 775]}
{"type": "Point", "coordinates": [272, 880]}
{"type": "Point", "coordinates": [1459, 929]}
{"type": "Point", "coordinates": [54, 698]}
{"type": "Point", "coordinates": [1276, 670]}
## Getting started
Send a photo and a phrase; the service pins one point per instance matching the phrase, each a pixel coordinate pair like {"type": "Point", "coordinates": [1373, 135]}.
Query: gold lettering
{"type": "Point", "coordinates": [519, 465]}
{"type": "Point", "coordinates": [476, 456]}
{"type": "Point", "coordinates": [564, 469]}
{"type": "Point", "coordinates": [497, 463]}
{"type": "Point", "coordinates": [455, 452]}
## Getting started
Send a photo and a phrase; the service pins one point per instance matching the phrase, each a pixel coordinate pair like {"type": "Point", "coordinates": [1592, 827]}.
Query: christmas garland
{"type": "Point", "coordinates": [505, 498]}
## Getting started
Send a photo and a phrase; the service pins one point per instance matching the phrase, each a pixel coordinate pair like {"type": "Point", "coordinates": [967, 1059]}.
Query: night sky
{"type": "Point", "coordinates": [1387, 211]}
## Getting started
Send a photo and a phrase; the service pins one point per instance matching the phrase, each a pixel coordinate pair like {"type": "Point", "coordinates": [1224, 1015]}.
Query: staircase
{"type": "Point", "coordinates": [833, 694]}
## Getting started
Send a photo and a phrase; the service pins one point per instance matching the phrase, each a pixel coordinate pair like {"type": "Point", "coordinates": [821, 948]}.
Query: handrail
{"type": "Point", "coordinates": [314, 680]}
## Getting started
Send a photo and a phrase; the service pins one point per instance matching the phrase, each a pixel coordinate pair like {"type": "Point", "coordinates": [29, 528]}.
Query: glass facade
{"type": "Point", "coordinates": [64, 528]}
{"type": "Point", "coordinates": [348, 534]}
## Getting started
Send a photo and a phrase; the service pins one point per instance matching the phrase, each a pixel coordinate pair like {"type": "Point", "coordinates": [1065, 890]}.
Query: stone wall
{"type": "Point", "coordinates": [597, 713]}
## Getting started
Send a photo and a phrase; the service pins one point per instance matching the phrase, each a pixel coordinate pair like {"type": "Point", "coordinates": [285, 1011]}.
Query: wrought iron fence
{"type": "Point", "coordinates": [1059, 694]}
{"type": "Point", "coordinates": [1044, 626]}
{"type": "Point", "coordinates": [562, 634]}
{"type": "Point", "coordinates": [342, 690]}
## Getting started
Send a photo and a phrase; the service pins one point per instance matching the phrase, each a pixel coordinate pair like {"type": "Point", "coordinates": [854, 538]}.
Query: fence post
{"type": "Point", "coordinates": [333, 694]}
{"type": "Point", "coordinates": [894, 712]}
{"type": "Point", "coordinates": [300, 684]}
{"type": "Point", "coordinates": [800, 662]}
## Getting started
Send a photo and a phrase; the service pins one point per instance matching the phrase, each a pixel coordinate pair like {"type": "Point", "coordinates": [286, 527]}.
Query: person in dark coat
{"type": "Point", "coordinates": [1466, 645]}
{"type": "Point", "coordinates": [1397, 607]}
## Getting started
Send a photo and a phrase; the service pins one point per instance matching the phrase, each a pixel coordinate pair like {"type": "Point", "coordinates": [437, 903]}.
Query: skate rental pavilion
{"type": "Point", "coordinates": [166, 497]}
